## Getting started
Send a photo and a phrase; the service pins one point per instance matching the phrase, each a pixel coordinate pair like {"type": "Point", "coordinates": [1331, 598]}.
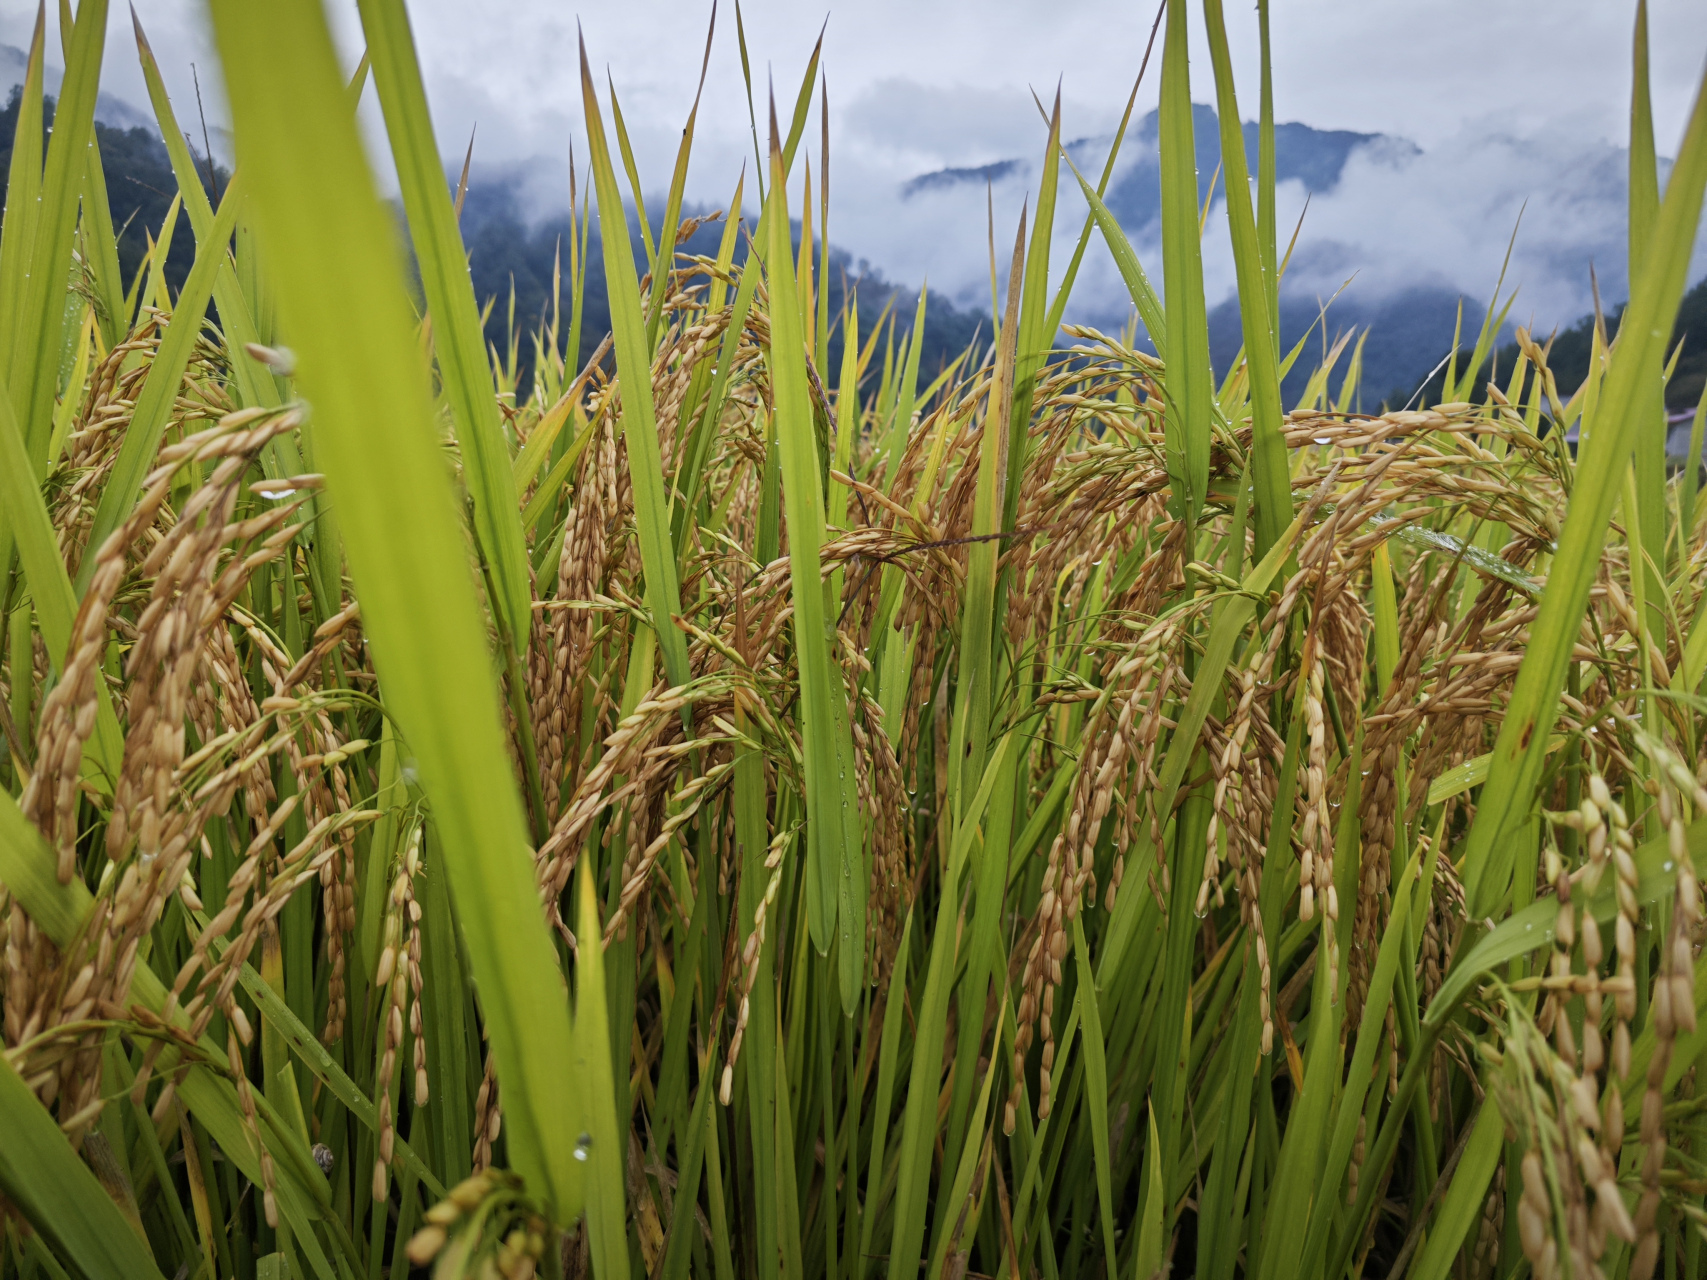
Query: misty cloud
{"type": "Point", "coordinates": [917, 89]}
{"type": "Point", "coordinates": [1445, 216]}
{"type": "Point", "coordinates": [1384, 216]}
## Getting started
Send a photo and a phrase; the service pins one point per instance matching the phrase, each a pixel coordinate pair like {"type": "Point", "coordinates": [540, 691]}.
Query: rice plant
{"type": "Point", "coordinates": [751, 806]}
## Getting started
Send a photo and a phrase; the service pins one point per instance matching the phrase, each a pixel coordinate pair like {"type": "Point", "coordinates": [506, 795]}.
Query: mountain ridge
{"type": "Point", "coordinates": [1409, 329]}
{"type": "Point", "coordinates": [1303, 153]}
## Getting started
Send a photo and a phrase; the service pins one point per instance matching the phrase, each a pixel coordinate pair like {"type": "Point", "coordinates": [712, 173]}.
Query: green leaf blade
{"type": "Point", "coordinates": [340, 295]}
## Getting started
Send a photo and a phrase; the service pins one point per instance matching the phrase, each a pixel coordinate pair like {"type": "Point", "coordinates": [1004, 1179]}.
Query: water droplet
{"type": "Point", "coordinates": [582, 1145]}
{"type": "Point", "coordinates": [1668, 864]}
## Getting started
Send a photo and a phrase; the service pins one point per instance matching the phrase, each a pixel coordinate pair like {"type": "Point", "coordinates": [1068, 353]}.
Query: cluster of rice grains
{"type": "Point", "coordinates": [217, 640]}
{"type": "Point", "coordinates": [399, 973]}
{"type": "Point", "coordinates": [496, 1231]}
{"type": "Point", "coordinates": [155, 644]}
{"type": "Point", "coordinates": [1571, 1103]}
{"type": "Point", "coordinates": [1309, 661]}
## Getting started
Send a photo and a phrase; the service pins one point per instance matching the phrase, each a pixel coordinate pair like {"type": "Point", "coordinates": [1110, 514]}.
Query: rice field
{"type": "Point", "coordinates": [755, 807]}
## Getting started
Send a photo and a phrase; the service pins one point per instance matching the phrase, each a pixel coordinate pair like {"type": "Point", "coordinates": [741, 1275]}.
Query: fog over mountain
{"type": "Point", "coordinates": [1391, 236]}
{"type": "Point", "coordinates": [109, 109]}
{"type": "Point", "coordinates": [1392, 233]}
{"type": "Point", "coordinates": [932, 129]}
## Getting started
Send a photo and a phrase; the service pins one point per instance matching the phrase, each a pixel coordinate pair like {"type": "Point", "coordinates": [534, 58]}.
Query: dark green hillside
{"type": "Point", "coordinates": [505, 251]}
{"type": "Point", "coordinates": [1408, 333]}
{"type": "Point", "coordinates": [1570, 350]}
{"type": "Point", "coordinates": [140, 187]}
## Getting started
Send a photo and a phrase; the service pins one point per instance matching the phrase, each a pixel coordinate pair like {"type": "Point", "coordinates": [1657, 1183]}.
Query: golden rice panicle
{"type": "Point", "coordinates": [1379, 809]}
{"type": "Point", "coordinates": [488, 1117]}
{"type": "Point", "coordinates": [1245, 848]}
{"type": "Point", "coordinates": [337, 875]}
{"type": "Point", "coordinates": [1609, 840]}
{"type": "Point", "coordinates": [1672, 1005]}
{"type": "Point", "coordinates": [749, 957]}
{"type": "Point", "coordinates": [399, 972]}
{"type": "Point", "coordinates": [1490, 1231]}
{"type": "Point", "coordinates": [1535, 1219]}
{"type": "Point", "coordinates": [1315, 837]}
{"type": "Point", "coordinates": [883, 792]}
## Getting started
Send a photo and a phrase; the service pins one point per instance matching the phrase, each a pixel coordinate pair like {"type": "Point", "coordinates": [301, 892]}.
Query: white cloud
{"type": "Point", "coordinates": [1447, 214]}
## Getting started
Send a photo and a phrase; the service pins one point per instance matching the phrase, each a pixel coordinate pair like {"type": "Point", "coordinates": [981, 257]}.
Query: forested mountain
{"type": "Point", "coordinates": [1409, 329]}
{"type": "Point", "coordinates": [1570, 349]}
{"type": "Point", "coordinates": [1409, 332]}
{"type": "Point", "coordinates": [1314, 157]}
{"type": "Point", "coordinates": [506, 252]}
{"type": "Point", "coordinates": [140, 187]}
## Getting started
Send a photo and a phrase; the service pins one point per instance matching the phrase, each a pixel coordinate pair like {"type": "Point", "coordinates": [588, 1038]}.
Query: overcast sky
{"type": "Point", "coordinates": [1500, 94]}
{"type": "Point", "coordinates": [1421, 68]}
